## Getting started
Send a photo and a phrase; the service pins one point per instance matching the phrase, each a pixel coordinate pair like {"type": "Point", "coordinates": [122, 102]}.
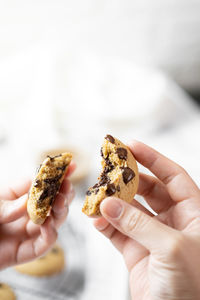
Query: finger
{"type": "Point", "coordinates": [60, 210]}
{"type": "Point", "coordinates": [116, 237]}
{"type": "Point", "coordinates": [16, 191]}
{"type": "Point", "coordinates": [71, 169]}
{"type": "Point", "coordinates": [67, 190]}
{"type": "Point", "coordinates": [12, 210]}
{"type": "Point", "coordinates": [179, 184]}
{"type": "Point", "coordinates": [131, 250]}
{"type": "Point", "coordinates": [107, 229]}
{"type": "Point", "coordinates": [137, 225]}
{"type": "Point", "coordinates": [155, 193]}
{"type": "Point", "coordinates": [61, 204]}
{"type": "Point", "coordinates": [35, 247]}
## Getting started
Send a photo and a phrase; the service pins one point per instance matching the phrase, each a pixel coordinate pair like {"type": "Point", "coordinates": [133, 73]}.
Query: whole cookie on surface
{"type": "Point", "coordinates": [119, 176]}
{"type": "Point", "coordinates": [52, 263]}
{"type": "Point", "coordinates": [46, 185]}
{"type": "Point", "coordinates": [6, 293]}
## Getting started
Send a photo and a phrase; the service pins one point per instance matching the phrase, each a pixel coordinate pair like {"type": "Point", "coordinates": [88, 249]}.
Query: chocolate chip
{"type": "Point", "coordinates": [110, 189]}
{"type": "Point", "coordinates": [62, 168]}
{"type": "Point", "coordinates": [43, 195]}
{"type": "Point", "coordinates": [37, 183]}
{"type": "Point", "coordinates": [88, 193]}
{"type": "Point", "coordinates": [127, 174]}
{"type": "Point", "coordinates": [118, 188]}
{"type": "Point", "coordinates": [103, 179]}
{"type": "Point", "coordinates": [95, 186]}
{"type": "Point", "coordinates": [101, 152]}
{"type": "Point", "coordinates": [52, 179]}
{"type": "Point", "coordinates": [122, 153]}
{"type": "Point", "coordinates": [110, 138]}
{"type": "Point", "coordinates": [1, 285]}
{"type": "Point", "coordinates": [96, 191]}
{"type": "Point", "coordinates": [109, 166]}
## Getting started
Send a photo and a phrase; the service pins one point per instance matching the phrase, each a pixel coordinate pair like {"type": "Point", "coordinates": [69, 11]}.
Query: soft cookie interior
{"type": "Point", "coordinates": [119, 176]}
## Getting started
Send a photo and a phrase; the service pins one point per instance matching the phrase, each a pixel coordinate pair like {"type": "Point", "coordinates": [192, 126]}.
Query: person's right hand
{"type": "Point", "coordinates": [162, 252]}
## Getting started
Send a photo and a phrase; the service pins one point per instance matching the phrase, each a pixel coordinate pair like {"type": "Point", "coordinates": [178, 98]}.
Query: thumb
{"type": "Point", "coordinates": [137, 225]}
{"type": "Point", "coordinates": [13, 209]}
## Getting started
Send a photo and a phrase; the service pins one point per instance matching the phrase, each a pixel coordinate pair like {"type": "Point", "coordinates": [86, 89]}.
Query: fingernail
{"type": "Point", "coordinates": [112, 208]}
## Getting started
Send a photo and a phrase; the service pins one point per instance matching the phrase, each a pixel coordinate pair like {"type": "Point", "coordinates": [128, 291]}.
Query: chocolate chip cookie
{"type": "Point", "coordinates": [46, 185]}
{"type": "Point", "coordinates": [119, 176]}
{"type": "Point", "coordinates": [52, 263]}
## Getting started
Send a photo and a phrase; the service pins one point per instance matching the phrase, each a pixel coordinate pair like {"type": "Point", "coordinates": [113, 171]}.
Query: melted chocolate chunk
{"type": "Point", "coordinates": [37, 183]}
{"type": "Point", "coordinates": [62, 168]}
{"type": "Point", "coordinates": [88, 193]}
{"type": "Point", "coordinates": [122, 153]}
{"type": "Point", "coordinates": [110, 189]}
{"type": "Point", "coordinates": [103, 179]}
{"type": "Point", "coordinates": [109, 166]}
{"type": "Point", "coordinates": [52, 179]}
{"type": "Point", "coordinates": [96, 191]}
{"type": "Point", "coordinates": [110, 138]}
{"type": "Point", "coordinates": [128, 174]}
{"type": "Point", "coordinates": [53, 186]}
{"type": "Point", "coordinates": [43, 195]}
{"type": "Point", "coordinates": [118, 188]}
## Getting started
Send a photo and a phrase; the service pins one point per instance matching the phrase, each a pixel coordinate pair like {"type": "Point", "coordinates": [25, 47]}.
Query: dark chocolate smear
{"type": "Point", "coordinates": [53, 186]}
{"type": "Point", "coordinates": [62, 168]}
{"type": "Point", "coordinates": [110, 138]}
{"type": "Point", "coordinates": [128, 174]}
{"type": "Point", "coordinates": [110, 189]}
{"type": "Point", "coordinates": [103, 179]}
{"type": "Point", "coordinates": [52, 179]}
{"type": "Point", "coordinates": [122, 153]}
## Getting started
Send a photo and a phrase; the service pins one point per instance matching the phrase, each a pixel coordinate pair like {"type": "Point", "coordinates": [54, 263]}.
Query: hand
{"type": "Point", "coordinates": [20, 239]}
{"type": "Point", "coordinates": [162, 252]}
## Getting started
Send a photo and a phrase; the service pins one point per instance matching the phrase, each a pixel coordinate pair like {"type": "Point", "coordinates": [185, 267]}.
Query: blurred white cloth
{"type": "Point", "coordinates": [152, 33]}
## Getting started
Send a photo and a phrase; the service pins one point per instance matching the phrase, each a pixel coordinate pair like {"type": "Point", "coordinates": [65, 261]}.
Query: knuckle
{"type": "Point", "coordinates": [134, 221]}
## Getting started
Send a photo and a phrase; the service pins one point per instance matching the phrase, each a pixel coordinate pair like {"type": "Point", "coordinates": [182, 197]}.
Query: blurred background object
{"type": "Point", "coordinates": [73, 71]}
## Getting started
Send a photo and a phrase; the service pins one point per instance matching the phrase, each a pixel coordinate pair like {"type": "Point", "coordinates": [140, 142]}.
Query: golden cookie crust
{"type": "Point", "coordinates": [52, 263]}
{"type": "Point", "coordinates": [46, 185]}
{"type": "Point", "coordinates": [6, 293]}
{"type": "Point", "coordinates": [119, 176]}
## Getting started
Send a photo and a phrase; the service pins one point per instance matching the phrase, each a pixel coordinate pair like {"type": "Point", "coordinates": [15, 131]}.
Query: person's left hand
{"type": "Point", "coordinates": [20, 239]}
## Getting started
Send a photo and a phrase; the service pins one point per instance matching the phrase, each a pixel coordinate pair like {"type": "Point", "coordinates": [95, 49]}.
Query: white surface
{"type": "Point", "coordinates": [150, 33]}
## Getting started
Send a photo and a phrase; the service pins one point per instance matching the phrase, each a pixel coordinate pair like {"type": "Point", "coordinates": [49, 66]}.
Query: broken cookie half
{"type": "Point", "coordinates": [119, 176]}
{"type": "Point", "coordinates": [46, 185]}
